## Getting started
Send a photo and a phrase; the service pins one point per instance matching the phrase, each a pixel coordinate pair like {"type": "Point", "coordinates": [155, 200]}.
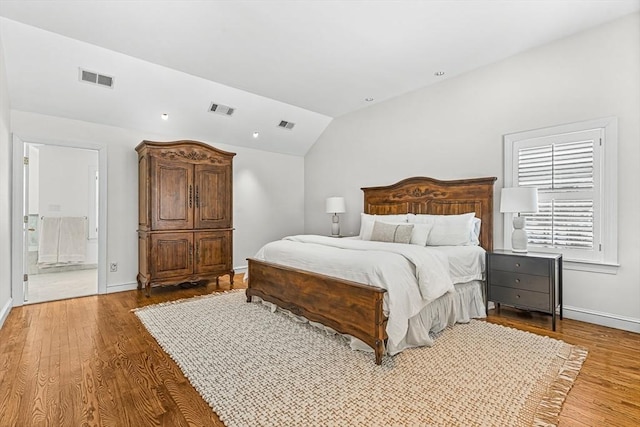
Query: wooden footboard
{"type": "Point", "coordinates": [348, 307]}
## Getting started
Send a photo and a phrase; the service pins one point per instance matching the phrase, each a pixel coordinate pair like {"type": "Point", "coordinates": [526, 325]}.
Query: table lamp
{"type": "Point", "coordinates": [335, 205]}
{"type": "Point", "coordinates": [519, 200]}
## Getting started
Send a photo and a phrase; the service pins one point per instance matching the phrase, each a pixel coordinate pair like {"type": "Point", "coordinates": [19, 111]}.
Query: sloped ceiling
{"type": "Point", "coordinates": [305, 61]}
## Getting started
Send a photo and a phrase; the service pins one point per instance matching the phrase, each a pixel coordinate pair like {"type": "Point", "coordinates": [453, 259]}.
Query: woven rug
{"type": "Point", "coordinates": [258, 368]}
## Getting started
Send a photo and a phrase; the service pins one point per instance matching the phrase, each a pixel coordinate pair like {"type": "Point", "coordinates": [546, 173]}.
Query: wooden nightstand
{"type": "Point", "coordinates": [530, 281]}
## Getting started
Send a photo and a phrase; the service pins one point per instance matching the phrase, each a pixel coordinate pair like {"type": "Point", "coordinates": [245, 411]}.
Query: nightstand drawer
{"type": "Point", "coordinates": [519, 281]}
{"type": "Point", "coordinates": [521, 298]}
{"type": "Point", "coordinates": [520, 264]}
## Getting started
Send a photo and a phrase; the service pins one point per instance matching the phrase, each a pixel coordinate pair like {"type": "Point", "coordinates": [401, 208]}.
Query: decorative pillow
{"type": "Point", "coordinates": [420, 234]}
{"type": "Point", "coordinates": [449, 230]}
{"type": "Point", "coordinates": [394, 233]}
{"type": "Point", "coordinates": [366, 222]}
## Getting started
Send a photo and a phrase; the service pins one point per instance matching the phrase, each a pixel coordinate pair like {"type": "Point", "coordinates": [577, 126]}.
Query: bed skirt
{"type": "Point", "coordinates": [464, 304]}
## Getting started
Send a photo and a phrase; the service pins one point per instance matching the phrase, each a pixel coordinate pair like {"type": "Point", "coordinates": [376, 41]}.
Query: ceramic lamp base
{"type": "Point", "coordinates": [335, 225]}
{"type": "Point", "coordinates": [519, 235]}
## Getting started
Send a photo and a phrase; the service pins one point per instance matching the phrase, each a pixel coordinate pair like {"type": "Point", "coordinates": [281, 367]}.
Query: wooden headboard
{"type": "Point", "coordinates": [420, 195]}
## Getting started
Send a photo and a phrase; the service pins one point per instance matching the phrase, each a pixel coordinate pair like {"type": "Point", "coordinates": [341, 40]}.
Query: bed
{"type": "Point", "coordinates": [354, 308]}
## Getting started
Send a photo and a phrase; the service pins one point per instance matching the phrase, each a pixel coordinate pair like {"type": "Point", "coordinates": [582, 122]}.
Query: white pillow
{"type": "Point", "coordinates": [420, 234]}
{"type": "Point", "coordinates": [449, 230]}
{"type": "Point", "coordinates": [421, 218]}
{"type": "Point", "coordinates": [475, 235]}
{"type": "Point", "coordinates": [366, 222]}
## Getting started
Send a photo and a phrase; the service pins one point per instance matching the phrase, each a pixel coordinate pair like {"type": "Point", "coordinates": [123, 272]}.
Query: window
{"type": "Point", "coordinates": [574, 168]}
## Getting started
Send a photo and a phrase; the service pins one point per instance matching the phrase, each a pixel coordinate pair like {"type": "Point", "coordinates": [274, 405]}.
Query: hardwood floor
{"type": "Point", "coordinates": [89, 362]}
{"type": "Point", "coordinates": [607, 390]}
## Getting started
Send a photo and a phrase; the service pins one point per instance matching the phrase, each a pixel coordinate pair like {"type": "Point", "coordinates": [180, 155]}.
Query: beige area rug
{"type": "Point", "coordinates": [258, 368]}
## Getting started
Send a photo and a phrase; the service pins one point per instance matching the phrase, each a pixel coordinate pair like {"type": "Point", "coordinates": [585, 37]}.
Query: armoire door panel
{"type": "Point", "coordinates": [213, 189]}
{"type": "Point", "coordinates": [212, 251]}
{"type": "Point", "coordinates": [172, 254]}
{"type": "Point", "coordinates": [172, 194]}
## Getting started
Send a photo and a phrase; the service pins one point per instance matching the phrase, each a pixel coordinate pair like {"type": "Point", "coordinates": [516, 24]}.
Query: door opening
{"type": "Point", "coordinates": [61, 196]}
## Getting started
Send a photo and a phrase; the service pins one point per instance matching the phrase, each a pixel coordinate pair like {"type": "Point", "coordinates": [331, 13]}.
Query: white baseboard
{"type": "Point", "coordinates": [600, 318]}
{"type": "Point", "coordinates": [4, 313]}
{"type": "Point", "coordinates": [241, 269]}
{"type": "Point", "coordinates": [122, 287]}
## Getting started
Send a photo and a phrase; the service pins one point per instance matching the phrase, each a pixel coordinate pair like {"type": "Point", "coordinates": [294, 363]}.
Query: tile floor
{"type": "Point", "coordinates": [63, 285]}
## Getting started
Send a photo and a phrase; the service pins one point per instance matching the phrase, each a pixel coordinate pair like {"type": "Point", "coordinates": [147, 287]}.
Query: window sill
{"type": "Point", "coordinates": [592, 267]}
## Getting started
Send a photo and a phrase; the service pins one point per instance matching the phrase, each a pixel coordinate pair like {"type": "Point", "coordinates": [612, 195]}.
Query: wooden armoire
{"type": "Point", "coordinates": [185, 224]}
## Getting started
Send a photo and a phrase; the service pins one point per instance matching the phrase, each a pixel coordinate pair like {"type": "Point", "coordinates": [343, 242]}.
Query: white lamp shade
{"type": "Point", "coordinates": [335, 205]}
{"type": "Point", "coordinates": [519, 199]}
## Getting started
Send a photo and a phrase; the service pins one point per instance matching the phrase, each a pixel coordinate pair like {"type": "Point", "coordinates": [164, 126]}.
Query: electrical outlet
{"type": "Point", "coordinates": [113, 267]}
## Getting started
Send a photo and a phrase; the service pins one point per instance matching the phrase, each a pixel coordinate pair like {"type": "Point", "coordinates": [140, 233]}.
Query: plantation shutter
{"type": "Point", "coordinates": [563, 171]}
{"type": "Point", "coordinates": [563, 166]}
{"type": "Point", "coordinates": [562, 224]}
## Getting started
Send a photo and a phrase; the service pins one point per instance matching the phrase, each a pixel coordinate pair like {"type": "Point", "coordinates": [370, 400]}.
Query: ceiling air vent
{"type": "Point", "coordinates": [96, 78]}
{"type": "Point", "coordinates": [286, 125]}
{"type": "Point", "coordinates": [225, 110]}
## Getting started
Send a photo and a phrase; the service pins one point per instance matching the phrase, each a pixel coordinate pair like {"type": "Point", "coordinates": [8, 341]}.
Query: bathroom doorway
{"type": "Point", "coordinates": [62, 191]}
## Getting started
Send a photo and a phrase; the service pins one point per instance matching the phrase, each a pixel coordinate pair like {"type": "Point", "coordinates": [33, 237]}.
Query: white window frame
{"type": "Point", "coordinates": [605, 202]}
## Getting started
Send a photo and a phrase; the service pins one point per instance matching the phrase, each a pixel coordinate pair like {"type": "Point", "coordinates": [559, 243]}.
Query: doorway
{"type": "Point", "coordinates": [60, 248]}
{"type": "Point", "coordinates": [62, 237]}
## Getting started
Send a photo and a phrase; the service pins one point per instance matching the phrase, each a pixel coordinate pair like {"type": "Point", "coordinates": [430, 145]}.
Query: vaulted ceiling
{"type": "Point", "coordinates": [303, 61]}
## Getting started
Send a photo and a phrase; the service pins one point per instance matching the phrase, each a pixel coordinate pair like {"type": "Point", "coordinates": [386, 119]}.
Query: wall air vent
{"type": "Point", "coordinates": [96, 78]}
{"type": "Point", "coordinates": [225, 110]}
{"type": "Point", "coordinates": [286, 125]}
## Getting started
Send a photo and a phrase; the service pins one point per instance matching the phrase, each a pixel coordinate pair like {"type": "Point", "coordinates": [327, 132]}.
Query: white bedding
{"type": "Point", "coordinates": [414, 276]}
{"type": "Point", "coordinates": [466, 263]}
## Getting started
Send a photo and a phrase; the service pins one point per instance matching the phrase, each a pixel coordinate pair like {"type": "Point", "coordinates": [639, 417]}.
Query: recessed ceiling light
{"type": "Point", "coordinates": [368, 99]}
{"type": "Point", "coordinates": [256, 135]}
{"type": "Point", "coordinates": [438, 73]}
{"type": "Point", "coordinates": [165, 116]}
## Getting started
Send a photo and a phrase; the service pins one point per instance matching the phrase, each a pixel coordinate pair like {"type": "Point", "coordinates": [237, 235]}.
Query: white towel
{"type": "Point", "coordinates": [72, 244]}
{"type": "Point", "coordinates": [49, 238]}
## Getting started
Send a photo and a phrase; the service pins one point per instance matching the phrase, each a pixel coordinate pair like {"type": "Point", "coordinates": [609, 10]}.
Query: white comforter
{"type": "Point", "coordinates": [413, 275]}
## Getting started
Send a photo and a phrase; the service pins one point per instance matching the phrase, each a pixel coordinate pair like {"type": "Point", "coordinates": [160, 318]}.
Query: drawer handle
{"type": "Point", "coordinates": [517, 280]}
{"type": "Point", "coordinates": [517, 296]}
{"type": "Point", "coordinates": [517, 264]}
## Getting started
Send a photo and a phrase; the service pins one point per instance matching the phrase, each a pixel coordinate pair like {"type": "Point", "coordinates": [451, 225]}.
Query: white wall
{"type": "Point", "coordinates": [454, 130]}
{"type": "Point", "coordinates": [63, 185]}
{"type": "Point", "coordinates": [5, 193]}
{"type": "Point", "coordinates": [268, 189]}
